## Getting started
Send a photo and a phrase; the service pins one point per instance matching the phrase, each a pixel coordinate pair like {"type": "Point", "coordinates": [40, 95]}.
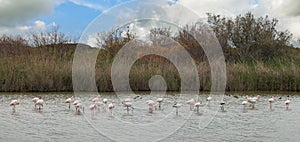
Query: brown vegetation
{"type": "Point", "coordinates": [258, 58]}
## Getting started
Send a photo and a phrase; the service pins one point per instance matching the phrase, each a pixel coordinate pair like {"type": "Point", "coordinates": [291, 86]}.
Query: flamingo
{"type": "Point", "coordinates": [244, 103]}
{"type": "Point", "coordinates": [13, 103]}
{"type": "Point", "coordinates": [77, 101]}
{"type": "Point", "coordinates": [271, 100]}
{"type": "Point", "coordinates": [105, 101]}
{"type": "Point", "coordinates": [222, 103]}
{"type": "Point", "coordinates": [177, 106]}
{"type": "Point", "coordinates": [96, 99]}
{"type": "Point", "coordinates": [77, 104]}
{"type": "Point", "coordinates": [93, 107]}
{"type": "Point", "coordinates": [111, 106]}
{"type": "Point", "coordinates": [287, 103]}
{"type": "Point", "coordinates": [253, 100]}
{"type": "Point", "coordinates": [208, 98]}
{"type": "Point", "coordinates": [127, 99]}
{"type": "Point", "coordinates": [197, 105]}
{"type": "Point", "coordinates": [69, 101]}
{"type": "Point", "coordinates": [35, 99]}
{"type": "Point", "coordinates": [128, 105]}
{"type": "Point", "coordinates": [39, 103]}
{"type": "Point", "coordinates": [78, 107]}
{"type": "Point", "coordinates": [151, 104]}
{"type": "Point", "coordinates": [191, 102]}
{"type": "Point", "coordinates": [256, 98]}
{"type": "Point", "coordinates": [100, 105]}
{"type": "Point", "coordinates": [159, 100]}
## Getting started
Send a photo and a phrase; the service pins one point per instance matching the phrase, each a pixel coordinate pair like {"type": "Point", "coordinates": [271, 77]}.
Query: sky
{"type": "Point", "coordinates": [20, 17]}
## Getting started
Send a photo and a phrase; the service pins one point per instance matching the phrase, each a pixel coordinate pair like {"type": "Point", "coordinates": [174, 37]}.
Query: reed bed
{"type": "Point", "coordinates": [44, 71]}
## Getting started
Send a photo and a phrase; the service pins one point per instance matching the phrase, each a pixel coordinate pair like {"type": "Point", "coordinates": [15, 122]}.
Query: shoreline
{"type": "Point", "coordinates": [167, 92]}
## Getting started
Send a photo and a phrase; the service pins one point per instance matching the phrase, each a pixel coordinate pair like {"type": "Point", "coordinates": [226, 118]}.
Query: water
{"type": "Point", "coordinates": [55, 122]}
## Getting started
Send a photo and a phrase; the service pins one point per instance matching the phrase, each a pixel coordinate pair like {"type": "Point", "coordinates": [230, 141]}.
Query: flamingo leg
{"type": "Point", "coordinates": [110, 110]}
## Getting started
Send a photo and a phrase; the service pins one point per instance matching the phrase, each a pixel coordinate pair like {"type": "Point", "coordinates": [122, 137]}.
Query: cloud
{"type": "Point", "coordinates": [282, 8]}
{"type": "Point", "coordinates": [17, 12]}
{"type": "Point", "coordinates": [287, 11]}
{"type": "Point", "coordinates": [224, 7]}
{"type": "Point", "coordinates": [40, 25]}
{"type": "Point", "coordinates": [36, 26]}
{"type": "Point", "coordinates": [92, 40]}
{"type": "Point", "coordinates": [88, 4]}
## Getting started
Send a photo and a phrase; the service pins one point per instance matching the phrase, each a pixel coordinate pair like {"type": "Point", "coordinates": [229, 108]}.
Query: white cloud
{"type": "Point", "coordinates": [283, 8]}
{"type": "Point", "coordinates": [224, 7]}
{"type": "Point", "coordinates": [87, 4]}
{"type": "Point", "coordinates": [17, 12]}
{"type": "Point", "coordinates": [24, 28]}
{"type": "Point", "coordinates": [36, 26]}
{"type": "Point", "coordinates": [92, 40]}
{"type": "Point", "coordinates": [287, 11]}
{"type": "Point", "coordinates": [40, 25]}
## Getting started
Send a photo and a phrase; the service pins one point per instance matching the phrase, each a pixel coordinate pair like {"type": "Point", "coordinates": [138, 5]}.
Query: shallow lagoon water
{"type": "Point", "coordinates": [55, 122]}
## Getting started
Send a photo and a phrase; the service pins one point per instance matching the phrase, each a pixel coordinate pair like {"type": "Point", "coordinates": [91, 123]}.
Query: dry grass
{"type": "Point", "coordinates": [50, 69]}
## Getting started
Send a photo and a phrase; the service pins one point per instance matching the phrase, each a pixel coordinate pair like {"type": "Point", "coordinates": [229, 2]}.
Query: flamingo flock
{"type": "Point", "coordinates": [254, 100]}
{"type": "Point", "coordinates": [104, 104]}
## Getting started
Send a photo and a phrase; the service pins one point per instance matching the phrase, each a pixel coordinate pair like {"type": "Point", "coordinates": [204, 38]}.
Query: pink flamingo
{"type": "Point", "coordinates": [96, 99]}
{"type": "Point", "coordinates": [35, 99]}
{"type": "Point", "coordinates": [271, 100]}
{"type": "Point", "coordinates": [127, 103]}
{"type": "Point", "coordinates": [253, 100]}
{"type": "Point", "coordinates": [244, 103]}
{"type": "Point", "coordinates": [69, 101]}
{"type": "Point", "coordinates": [77, 104]}
{"type": "Point", "coordinates": [127, 99]}
{"type": "Point", "coordinates": [93, 107]}
{"type": "Point", "coordinates": [287, 103]}
{"type": "Point", "coordinates": [100, 104]}
{"type": "Point", "coordinates": [177, 106]}
{"type": "Point", "coordinates": [222, 103]}
{"type": "Point", "coordinates": [78, 107]}
{"type": "Point", "coordinates": [197, 105]}
{"type": "Point", "coordinates": [39, 103]}
{"type": "Point", "coordinates": [111, 106]}
{"type": "Point", "coordinates": [151, 105]}
{"type": "Point", "coordinates": [13, 103]}
{"type": "Point", "coordinates": [105, 101]}
{"type": "Point", "coordinates": [191, 102]}
{"type": "Point", "coordinates": [209, 98]}
{"type": "Point", "coordinates": [159, 100]}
